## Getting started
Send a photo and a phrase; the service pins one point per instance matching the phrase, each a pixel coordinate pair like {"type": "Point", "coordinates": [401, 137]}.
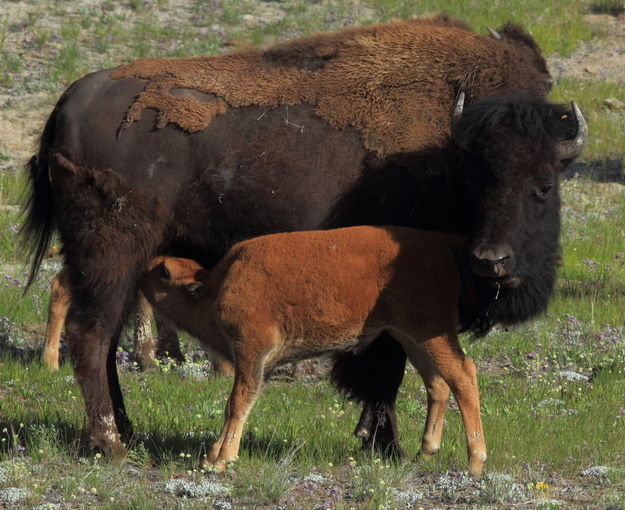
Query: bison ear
{"type": "Point", "coordinates": [194, 290]}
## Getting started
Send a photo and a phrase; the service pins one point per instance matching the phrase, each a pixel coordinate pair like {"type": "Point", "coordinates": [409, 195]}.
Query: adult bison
{"type": "Point", "coordinates": [188, 156]}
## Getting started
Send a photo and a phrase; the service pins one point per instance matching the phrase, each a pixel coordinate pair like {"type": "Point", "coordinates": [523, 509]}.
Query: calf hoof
{"type": "Point", "coordinates": [427, 454]}
{"type": "Point", "coordinates": [219, 466]}
{"type": "Point", "coordinates": [51, 360]}
{"type": "Point", "coordinates": [476, 467]}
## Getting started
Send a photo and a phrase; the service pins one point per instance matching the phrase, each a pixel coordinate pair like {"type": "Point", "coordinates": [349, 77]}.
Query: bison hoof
{"type": "Point", "coordinates": [386, 449]}
{"type": "Point", "coordinates": [362, 432]}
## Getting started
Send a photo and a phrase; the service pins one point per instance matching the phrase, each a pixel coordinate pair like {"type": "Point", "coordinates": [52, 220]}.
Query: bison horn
{"type": "Point", "coordinates": [496, 35]}
{"type": "Point", "coordinates": [570, 148]}
{"type": "Point", "coordinates": [459, 106]}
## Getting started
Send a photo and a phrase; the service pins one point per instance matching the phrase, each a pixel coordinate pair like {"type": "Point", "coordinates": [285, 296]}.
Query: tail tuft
{"type": "Point", "coordinates": [38, 208]}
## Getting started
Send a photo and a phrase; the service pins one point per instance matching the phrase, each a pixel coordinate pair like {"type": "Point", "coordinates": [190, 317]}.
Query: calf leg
{"type": "Point", "coordinates": [244, 393]}
{"type": "Point", "coordinates": [57, 312]}
{"type": "Point", "coordinates": [438, 396]}
{"type": "Point", "coordinates": [221, 365]}
{"type": "Point", "coordinates": [460, 374]}
{"type": "Point", "coordinates": [373, 377]}
{"type": "Point", "coordinates": [250, 356]}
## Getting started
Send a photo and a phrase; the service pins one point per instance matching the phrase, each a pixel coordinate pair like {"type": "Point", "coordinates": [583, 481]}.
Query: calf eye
{"type": "Point", "coordinates": [193, 290]}
{"type": "Point", "coordinates": [543, 191]}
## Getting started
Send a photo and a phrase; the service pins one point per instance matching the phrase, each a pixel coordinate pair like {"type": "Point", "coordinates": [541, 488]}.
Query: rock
{"type": "Point", "coordinates": [569, 375]}
{"type": "Point", "coordinates": [408, 498]}
{"type": "Point", "coordinates": [183, 488]}
{"type": "Point", "coordinates": [550, 402]}
{"type": "Point", "coordinates": [47, 506]}
{"type": "Point", "coordinates": [613, 103]}
{"type": "Point", "coordinates": [264, 15]}
{"type": "Point", "coordinates": [596, 471]}
{"type": "Point", "coordinates": [13, 495]}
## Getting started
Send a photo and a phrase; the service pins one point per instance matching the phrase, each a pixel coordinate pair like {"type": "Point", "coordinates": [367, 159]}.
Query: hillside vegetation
{"type": "Point", "coordinates": [553, 391]}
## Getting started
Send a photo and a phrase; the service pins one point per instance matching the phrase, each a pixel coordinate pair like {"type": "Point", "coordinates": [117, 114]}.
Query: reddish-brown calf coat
{"type": "Point", "coordinates": [296, 295]}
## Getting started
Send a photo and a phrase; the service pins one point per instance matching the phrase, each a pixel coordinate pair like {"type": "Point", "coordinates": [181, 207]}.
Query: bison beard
{"type": "Point", "coordinates": [250, 173]}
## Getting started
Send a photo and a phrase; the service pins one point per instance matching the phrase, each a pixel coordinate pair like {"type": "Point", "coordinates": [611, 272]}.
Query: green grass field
{"type": "Point", "coordinates": [553, 391]}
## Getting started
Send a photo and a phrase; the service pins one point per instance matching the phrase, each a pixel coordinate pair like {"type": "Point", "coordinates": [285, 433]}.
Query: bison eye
{"type": "Point", "coordinates": [543, 191]}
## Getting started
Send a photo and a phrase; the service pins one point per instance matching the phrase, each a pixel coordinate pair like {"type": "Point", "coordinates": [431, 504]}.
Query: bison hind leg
{"type": "Point", "coordinates": [109, 232]}
{"type": "Point", "coordinates": [373, 377]}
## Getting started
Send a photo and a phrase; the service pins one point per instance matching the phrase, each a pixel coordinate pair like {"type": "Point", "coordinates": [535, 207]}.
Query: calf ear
{"type": "Point", "coordinates": [194, 290]}
{"type": "Point", "coordinates": [164, 270]}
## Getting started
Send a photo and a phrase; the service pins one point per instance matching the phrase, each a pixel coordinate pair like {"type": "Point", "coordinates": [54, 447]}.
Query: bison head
{"type": "Point", "coordinates": [514, 149]}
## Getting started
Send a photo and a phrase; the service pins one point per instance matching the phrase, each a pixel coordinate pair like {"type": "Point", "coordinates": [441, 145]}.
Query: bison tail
{"type": "Point", "coordinates": [38, 207]}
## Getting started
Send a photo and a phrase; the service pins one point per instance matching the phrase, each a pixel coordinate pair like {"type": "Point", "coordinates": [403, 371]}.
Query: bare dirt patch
{"type": "Point", "coordinates": [603, 57]}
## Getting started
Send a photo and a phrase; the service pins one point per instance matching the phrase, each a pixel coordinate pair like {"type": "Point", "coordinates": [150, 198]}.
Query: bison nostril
{"type": "Point", "coordinates": [493, 254]}
{"type": "Point", "coordinates": [493, 260]}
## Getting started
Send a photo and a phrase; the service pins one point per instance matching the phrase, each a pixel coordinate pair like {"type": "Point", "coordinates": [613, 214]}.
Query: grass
{"type": "Point", "coordinates": [541, 429]}
{"type": "Point", "coordinates": [557, 26]}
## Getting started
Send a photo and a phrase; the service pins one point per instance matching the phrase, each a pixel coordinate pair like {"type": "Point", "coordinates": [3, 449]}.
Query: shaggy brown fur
{"type": "Point", "coordinates": [394, 83]}
{"type": "Point", "coordinates": [112, 214]}
{"type": "Point", "coordinates": [292, 296]}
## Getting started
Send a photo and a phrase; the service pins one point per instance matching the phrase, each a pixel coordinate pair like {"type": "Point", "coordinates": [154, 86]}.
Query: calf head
{"type": "Point", "coordinates": [514, 149]}
{"type": "Point", "coordinates": [171, 284]}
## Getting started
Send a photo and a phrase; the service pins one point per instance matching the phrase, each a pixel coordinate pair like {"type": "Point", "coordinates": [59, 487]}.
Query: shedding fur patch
{"type": "Point", "coordinates": [395, 83]}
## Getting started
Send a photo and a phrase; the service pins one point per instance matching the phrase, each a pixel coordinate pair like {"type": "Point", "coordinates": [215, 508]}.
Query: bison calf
{"type": "Point", "coordinates": [291, 296]}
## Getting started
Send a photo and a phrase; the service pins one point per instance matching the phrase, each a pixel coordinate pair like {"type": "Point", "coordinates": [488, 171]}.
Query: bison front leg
{"type": "Point", "coordinates": [60, 298]}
